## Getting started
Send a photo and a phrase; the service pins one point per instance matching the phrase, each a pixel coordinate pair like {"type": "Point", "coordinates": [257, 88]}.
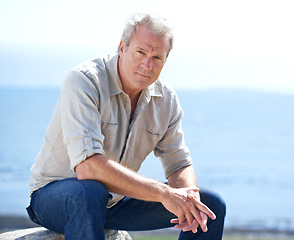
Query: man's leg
{"type": "Point", "coordinates": [74, 207]}
{"type": "Point", "coordinates": [78, 209]}
{"type": "Point", "coordinates": [137, 215]}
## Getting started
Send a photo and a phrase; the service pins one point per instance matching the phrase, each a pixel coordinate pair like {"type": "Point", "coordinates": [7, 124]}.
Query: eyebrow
{"type": "Point", "coordinates": [156, 54]}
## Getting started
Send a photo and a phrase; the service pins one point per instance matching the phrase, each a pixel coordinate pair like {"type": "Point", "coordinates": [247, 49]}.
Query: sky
{"type": "Point", "coordinates": [218, 44]}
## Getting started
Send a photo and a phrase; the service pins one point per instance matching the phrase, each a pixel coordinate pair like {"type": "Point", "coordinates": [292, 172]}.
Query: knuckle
{"type": "Point", "coordinates": [191, 205]}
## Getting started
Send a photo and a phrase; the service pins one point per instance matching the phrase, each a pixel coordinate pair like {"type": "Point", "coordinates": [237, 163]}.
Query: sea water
{"type": "Point", "coordinates": [241, 142]}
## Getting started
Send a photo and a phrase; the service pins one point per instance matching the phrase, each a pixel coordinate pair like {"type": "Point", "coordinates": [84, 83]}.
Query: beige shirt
{"type": "Point", "coordinates": [93, 116]}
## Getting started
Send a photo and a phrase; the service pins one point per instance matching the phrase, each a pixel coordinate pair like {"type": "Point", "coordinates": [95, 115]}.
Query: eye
{"type": "Point", "coordinates": [157, 58]}
{"type": "Point", "coordinates": [140, 52]}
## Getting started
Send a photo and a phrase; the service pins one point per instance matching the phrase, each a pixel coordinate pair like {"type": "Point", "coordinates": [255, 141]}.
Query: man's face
{"type": "Point", "coordinates": [141, 63]}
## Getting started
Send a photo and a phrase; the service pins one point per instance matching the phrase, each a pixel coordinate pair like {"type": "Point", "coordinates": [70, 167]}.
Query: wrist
{"type": "Point", "coordinates": [165, 193]}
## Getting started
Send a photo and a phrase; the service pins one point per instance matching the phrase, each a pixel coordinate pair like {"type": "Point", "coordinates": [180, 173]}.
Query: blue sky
{"type": "Point", "coordinates": [229, 43]}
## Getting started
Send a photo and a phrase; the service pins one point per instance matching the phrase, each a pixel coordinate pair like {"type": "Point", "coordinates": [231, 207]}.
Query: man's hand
{"type": "Point", "coordinates": [191, 227]}
{"type": "Point", "coordinates": [191, 212]}
{"type": "Point", "coordinates": [195, 213]}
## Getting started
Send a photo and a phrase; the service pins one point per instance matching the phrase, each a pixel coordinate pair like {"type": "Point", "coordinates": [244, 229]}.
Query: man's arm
{"type": "Point", "coordinates": [121, 180]}
{"type": "Point", "coordinates": [184, 177]}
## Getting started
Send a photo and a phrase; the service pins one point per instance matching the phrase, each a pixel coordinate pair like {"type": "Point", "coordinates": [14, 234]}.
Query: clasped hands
{"type": "Point", "coordinates": [196, 213]}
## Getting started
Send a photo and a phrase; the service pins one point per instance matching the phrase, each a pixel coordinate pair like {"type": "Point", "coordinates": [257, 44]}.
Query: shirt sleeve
{"type": "Point", "coordinates": [172, 150]}
{"type": "Point", "coordinates": [80, 117]}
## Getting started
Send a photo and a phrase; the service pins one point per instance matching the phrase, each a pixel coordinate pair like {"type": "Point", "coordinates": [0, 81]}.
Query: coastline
{"type": "Point", "coordinates": [240, 136]}
{"type": "Point", "coordinates": [14, 222]}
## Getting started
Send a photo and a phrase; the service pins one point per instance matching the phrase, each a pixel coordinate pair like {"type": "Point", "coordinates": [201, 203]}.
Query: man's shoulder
{"type": "Point", "coordinates": [165, 88]}
{"type": "Point", "coordinates": [94, 68]}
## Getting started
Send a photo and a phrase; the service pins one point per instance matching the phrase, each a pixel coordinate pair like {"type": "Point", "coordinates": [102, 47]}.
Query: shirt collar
{"type": "Point", "coordinates": [152, 90]}
{"type": "Point", "coordinates": [114, 80]}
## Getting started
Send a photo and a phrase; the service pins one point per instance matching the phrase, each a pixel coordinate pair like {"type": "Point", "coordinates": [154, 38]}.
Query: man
{"type": "Point", "coordinates": [111, 113]}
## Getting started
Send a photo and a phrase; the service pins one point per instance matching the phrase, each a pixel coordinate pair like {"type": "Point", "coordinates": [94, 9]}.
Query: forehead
{"type": "Point", "coordinates": [144, 38]}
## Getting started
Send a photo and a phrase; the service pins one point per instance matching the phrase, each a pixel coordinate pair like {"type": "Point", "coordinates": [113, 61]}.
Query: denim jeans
{"type": "Point", "coordinates": [78, 209]}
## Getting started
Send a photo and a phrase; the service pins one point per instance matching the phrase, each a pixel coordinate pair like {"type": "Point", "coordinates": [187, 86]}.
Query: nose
{"type": "Point", "coordinates": [147, 63]}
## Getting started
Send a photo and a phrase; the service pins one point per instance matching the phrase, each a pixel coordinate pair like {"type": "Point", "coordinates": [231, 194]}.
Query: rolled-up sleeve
{"type": "Point", "coordinates": [80, 117]}
{"type": "Point", "coordinates": [172, 150]}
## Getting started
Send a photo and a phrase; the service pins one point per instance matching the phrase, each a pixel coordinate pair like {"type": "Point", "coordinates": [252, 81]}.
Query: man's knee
{"type": "Point", "coordinates": [214, 201]}
{"type": "Point", "coordinates": [57, 202]}
{"type": "Point", "coordinates": [221, 205]}
{"type": "Point", "coordinates": [88, 192]}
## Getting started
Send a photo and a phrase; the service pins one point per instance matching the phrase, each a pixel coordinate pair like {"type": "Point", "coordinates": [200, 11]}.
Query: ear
{"type": "Point", "coordinates": [121, 47]}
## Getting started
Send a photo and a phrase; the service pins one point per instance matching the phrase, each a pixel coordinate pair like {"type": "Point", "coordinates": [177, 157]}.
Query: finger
{"type": "Point", "coordinates": [191, 195]}
{"type": "Point", "coordinates": [174, 220]}
{"type": "Point", "coordinates": [194, 196]}
{"type": "Point", "coordinates": [181, 225]}
{"type": "Point", "coordinates": [189, 218]}
{"type": "Point", "coordinates": [208, 212]}
{"type": "Point", "coordinates": [196, 214]}
{"type": "Point", "coordinates": [181, 219]}
{"type": "Point", "coordinates": [186, 226]}
{"type": "Point", "coordinates": [192, 227]}
{"type": "Point", "coordinates": [192, 190]}
{"type": "Point", "coordinates": [205, 209]}
{"type": "Point", "coordinates": [203, 224]}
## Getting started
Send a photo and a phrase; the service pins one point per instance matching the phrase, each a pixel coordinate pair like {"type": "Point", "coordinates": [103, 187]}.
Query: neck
{"type": "Point", "coordinates": [134, 102]}
{"type": "Point", "coordinates": [134, 97]}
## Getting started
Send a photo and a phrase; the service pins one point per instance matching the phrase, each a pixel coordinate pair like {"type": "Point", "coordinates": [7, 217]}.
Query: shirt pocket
{"type": "Point", "coordinates": [109, 130]}
{"type": "Point", "coordinates": [153, 134]}
{"type": "Point", "coordinates": [150, 139]}
{"type": "Point", "coordinates": [140, 146]}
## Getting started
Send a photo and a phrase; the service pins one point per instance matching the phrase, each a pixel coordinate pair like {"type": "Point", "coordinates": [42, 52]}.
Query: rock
{"type": "Point", "coordinates": [116, 235]}
{"type": "Point", "coordinates": [32, 234]}
{"type": "Point", "coordinates": [40, 233]}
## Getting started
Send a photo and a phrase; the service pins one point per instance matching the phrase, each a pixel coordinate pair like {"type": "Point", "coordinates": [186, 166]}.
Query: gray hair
{"type": "Point", "coordinates": [156, 24]}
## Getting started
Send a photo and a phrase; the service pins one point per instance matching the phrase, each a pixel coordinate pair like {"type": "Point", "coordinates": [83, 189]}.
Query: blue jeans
{"type": "Point", "coordinates": [78, 208]}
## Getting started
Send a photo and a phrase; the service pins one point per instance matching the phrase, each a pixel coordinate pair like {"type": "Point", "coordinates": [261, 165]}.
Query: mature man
{"type": "Point", "coordinates": [112, 112]}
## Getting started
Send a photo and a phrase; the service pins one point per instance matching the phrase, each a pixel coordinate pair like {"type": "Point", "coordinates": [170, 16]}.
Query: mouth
{"type": "Point", "coordinates": [143, 75]}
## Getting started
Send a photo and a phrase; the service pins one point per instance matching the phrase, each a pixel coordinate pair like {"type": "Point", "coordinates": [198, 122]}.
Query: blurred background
{"type": "Point", "coordinates": [232, 66]}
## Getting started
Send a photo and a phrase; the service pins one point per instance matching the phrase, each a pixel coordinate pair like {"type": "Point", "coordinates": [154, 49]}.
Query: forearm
{"type": "Point", "coordinates": [183, 178]}
{"type": "Point", "coordinates": [121, 180]}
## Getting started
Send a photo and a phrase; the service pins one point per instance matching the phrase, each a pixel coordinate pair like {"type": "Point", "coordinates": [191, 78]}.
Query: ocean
{"type": "Point", "coordinates": [241, 142]}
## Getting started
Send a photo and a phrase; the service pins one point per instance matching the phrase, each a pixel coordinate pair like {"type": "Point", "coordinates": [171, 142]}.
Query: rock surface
{"type": "Point", "coordinates": [40, 233]}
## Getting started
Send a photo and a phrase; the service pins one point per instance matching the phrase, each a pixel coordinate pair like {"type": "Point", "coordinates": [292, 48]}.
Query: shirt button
{"type": "Point", "coordinates": [86, 131]}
